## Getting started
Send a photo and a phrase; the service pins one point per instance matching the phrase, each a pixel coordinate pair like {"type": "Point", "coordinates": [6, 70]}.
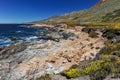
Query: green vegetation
{"type": "Point", "coordinates": [110, 48]}
{"type": "Point", "coordinates": [117, 26]}
{"type": "Point", "coordinates": [108, 64]}
{"type": "Point", "coordinates": [109, 21]}
{"type": "Point", "coordinates": [91, 32]}
{"type": "Point", "coordinates": [70, 23]}
{"type": "Point", "coordinates": [99, 25]}
{"type": "Point", "coordinates": [112, 17]}
{"type": "Point", "coordinates": [45, 77]}
{"type": "Point", "coordinates": [109, 60]}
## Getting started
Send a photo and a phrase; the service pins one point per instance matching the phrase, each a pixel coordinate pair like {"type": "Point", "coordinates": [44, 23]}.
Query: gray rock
{"type": "Point", "coordinates": [8, 51]}
{"type": "Point", "coordinates": [56, 71]}
{"type": "Point", "coordinates": [56, 34]}
{"type": "Point", "coordinates": [116, 39]}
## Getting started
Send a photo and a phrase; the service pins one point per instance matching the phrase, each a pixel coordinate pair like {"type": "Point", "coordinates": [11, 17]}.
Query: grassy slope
{"type": "Point", "coordinates": [112, 17]}
{"type": "Point", "coordinates": [91, 15]}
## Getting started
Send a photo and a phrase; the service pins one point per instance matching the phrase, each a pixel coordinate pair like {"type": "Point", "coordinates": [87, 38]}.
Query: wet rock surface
{"type": "Point", "coordinates": [14, 38]}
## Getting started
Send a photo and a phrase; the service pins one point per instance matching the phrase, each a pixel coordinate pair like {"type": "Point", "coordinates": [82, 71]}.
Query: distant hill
{"type": "Point", "coordinates": [95, 14]}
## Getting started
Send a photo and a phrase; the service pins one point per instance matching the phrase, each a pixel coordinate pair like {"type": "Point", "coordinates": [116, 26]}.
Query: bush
{"type": "Point", "coordinates": [117, 26]}
{"type": "Point", "coordinates": [98, 70]}
{"type": "Point", "coordinates": [111, 48]}
{"type": "Point", "coordinates": [107, 64]}
{"type": "Point", "coordinates": [116, 53]}
{"type": "Point", "coordinates": [91, 32]}
{"type": "Point", "coordinates": [88, 30]}
{"type": "Point", "coordinates": [45, 77]}
{"type": "Point", "coordinates": [70, 23]}
{"type": "Point", "coordinates": [110, 33]}
{"type": "Point", "coordinates": [93, 35]}
{"type": "Point", "coordinates": [73, 73]}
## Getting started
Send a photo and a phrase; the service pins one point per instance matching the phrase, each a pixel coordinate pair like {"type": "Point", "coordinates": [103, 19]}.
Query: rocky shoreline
{"type": "Point", "coordinates": [61, 49]}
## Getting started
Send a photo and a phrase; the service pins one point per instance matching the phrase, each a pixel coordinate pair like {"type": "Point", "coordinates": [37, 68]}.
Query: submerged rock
{"type": "Point", "coordinates": [14, 38]}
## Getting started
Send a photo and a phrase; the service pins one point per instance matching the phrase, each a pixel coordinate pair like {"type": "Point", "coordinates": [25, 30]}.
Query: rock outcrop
{"type": "Point", "coordinates": [31, 60]}
{"type": "Point", "coordinates": [56, 34]}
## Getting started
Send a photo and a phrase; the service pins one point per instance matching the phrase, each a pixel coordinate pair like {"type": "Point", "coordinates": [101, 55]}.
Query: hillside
{"type": "Point", "coordinates": [93, 14]}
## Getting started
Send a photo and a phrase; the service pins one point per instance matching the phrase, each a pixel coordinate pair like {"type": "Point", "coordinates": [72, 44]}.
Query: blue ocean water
{"type": "Point", "coordinates": [22, 31]}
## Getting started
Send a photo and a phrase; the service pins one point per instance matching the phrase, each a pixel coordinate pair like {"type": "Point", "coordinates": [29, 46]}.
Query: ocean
{"type": "Point", "coordinates": [20, 32]}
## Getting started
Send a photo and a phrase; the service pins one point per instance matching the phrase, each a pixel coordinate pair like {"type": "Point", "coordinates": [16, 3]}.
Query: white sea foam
{"type": "Point", "coordinates": [31, 38]}
{"type": "Point", "coordinates": [7, 41]}
{"type": "Point", "coordinates": [18, 31]}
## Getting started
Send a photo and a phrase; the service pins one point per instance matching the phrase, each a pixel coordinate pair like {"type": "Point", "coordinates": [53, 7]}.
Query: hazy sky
{"type": "Point", "coordinates": [17, 11]}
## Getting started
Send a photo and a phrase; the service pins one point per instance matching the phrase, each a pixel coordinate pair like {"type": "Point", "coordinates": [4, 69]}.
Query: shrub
{"type": "Point", "coordinates": [107, 64]}
{"type": "Point", "coordinates": [112, 16]}
{"type": "Point", "coordinates": [117, 26]}
{"type": "Point", "coordinates": [45, 77]}
{"type": "Point", "coordinates": [93, 35]}
{"type": "Point", "coordinates": [91, 32]}
{"type": "Point", "coordinates": [70, 23]}
{"type": "Point", "coordinates": [111, 48]}
{"type": "Point", "coordinates": [98, 70]}
{"type": "Point", "coordinates": [99, 75]}
{"type": "Point", "coordinates": [72, 73]}
{"type": "Point", "coordinates": [88, 30]}
{"type": "Point", "coordinates": [109, 33]}
{"type": "Point", "coordinates": [117, 53]}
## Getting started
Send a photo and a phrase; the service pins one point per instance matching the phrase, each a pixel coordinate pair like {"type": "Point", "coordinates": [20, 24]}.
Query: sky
{"type": "Point", "coordinates": [19, 11]}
